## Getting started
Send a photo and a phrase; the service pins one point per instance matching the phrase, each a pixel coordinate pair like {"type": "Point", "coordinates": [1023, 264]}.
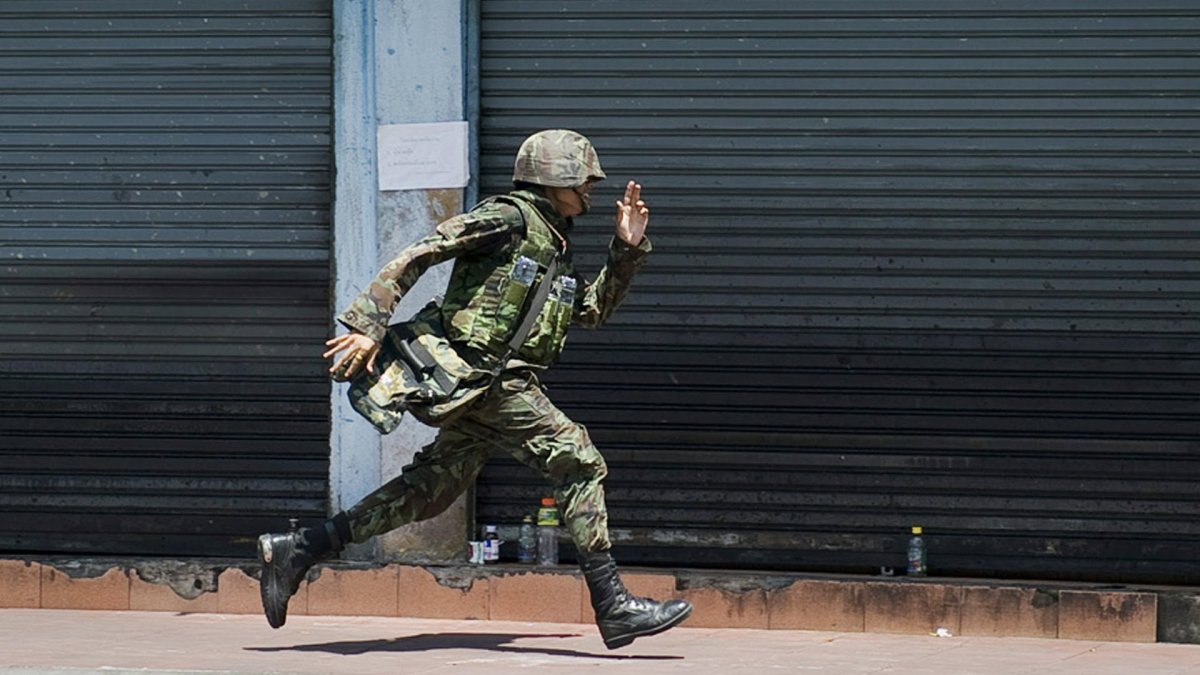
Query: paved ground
{"type": "Point", "coordinates": [62, 642]}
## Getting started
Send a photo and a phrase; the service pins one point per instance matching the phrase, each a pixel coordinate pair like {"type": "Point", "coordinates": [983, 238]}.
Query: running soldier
{"type": "Point", "coordinates": [502, 249]}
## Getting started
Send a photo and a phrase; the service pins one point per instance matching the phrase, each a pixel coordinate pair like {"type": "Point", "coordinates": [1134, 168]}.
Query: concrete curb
{"type": "Point", "coordinates": [723, 599]}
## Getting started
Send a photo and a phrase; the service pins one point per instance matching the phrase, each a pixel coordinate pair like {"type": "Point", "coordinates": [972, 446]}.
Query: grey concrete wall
{"type": "Point", "coordinates": [397, 61]}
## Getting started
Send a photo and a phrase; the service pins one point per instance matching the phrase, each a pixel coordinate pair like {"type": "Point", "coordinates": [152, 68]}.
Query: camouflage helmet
{"type": "Point", "coordinates": [557, 158]}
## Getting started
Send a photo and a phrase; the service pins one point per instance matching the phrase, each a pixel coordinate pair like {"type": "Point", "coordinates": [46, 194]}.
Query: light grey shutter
{"type": "Point", "coordinates": [164, 230]}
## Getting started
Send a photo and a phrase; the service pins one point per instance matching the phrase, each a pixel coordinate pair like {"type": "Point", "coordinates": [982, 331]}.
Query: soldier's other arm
{"type": "Point", "coordinates": [479, 230]}
{"type": "Point", "coordinates": [602, 297]}
{"type": "Point", "coordinates": [626, 255]}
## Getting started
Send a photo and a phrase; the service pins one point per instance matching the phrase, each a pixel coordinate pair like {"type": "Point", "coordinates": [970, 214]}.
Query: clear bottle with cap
{"type": "Point", "coordinates": [547, 522]}
{"type": "Point", "coordinates": [491, 544]}
{"type": "Point", "coordinates": [527, 541]}
{"type": "Point", "coordinates": [916, 553]}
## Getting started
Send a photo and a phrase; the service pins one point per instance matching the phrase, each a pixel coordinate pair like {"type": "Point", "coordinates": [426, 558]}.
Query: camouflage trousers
{"type": "Point", "coordinates": [517, 418]}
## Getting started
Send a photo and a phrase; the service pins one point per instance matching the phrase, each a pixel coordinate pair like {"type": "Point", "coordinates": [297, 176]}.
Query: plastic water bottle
{"type": "Point", "coordinates": [916, 553]}
{"type": "Point", "coordinates": [547, 522]}
{"type": "Point", "coordinates": [527, 542]}
{"type": "Point", "coordinates": [491, 545]}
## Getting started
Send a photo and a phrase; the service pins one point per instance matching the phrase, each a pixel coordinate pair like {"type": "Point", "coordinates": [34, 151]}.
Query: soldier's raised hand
{"type": "Point", "coordinates": [632, 215]}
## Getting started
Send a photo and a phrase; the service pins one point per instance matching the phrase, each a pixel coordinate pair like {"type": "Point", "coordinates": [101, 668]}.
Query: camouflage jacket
{"type": "Point", "coordinates": [480, 240]}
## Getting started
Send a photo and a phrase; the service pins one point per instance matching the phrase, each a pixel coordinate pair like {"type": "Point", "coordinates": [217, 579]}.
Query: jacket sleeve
{"type": "Point", "coordinates": [483, 229]}
{"type": "Point", "coordinates": [602, 297]}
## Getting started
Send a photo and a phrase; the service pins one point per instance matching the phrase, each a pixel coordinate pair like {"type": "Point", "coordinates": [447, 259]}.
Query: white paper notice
{"type": "Point", "coordinates": [422, 156]}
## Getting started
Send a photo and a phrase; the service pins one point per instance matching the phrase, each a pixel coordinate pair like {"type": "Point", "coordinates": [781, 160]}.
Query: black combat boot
{"type": "Point", "coordinates": [621, 616]}
{"type": "Point", "coordinates": [286, 558]}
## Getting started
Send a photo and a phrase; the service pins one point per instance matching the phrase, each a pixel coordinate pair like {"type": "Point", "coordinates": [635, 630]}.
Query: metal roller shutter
{"type": "Point", "coordinates": [164, 229]}
{"type": "Point", "coordinates": [916, 263]}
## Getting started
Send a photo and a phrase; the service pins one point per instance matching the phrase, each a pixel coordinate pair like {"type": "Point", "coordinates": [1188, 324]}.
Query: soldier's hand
{"type": "Point", "coordinates": [632, 215]}
{"type": "Point", "coordinates": [360, 352]}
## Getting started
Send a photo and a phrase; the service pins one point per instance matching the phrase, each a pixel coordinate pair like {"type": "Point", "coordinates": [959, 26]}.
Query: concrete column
{"type": "Point", "coordinates": [398, 61]}
{"type": "Point", "coordinates": [354, 466]}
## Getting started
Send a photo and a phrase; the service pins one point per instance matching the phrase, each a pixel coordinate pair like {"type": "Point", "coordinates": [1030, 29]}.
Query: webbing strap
{"type": "Point", "coordinates": [431, 366]}
{"type": "Point", "coordinates": [533, 309]}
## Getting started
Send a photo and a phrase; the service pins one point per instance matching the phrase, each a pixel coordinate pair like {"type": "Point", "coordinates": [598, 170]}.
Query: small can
{"type": "Point", "coordinates": [524, 271]}
{"type": "Point", "coordinates": [566, 290]}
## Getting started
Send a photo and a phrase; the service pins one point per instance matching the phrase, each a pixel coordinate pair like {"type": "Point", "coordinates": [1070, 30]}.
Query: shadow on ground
{"type": "Point", "coordinates": [495, 642]}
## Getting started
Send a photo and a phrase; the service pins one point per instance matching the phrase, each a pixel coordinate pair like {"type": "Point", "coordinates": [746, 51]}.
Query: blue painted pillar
{"type": "Point", "coordinates": [354, 444]}
{"type": "Point", "coordinates": [396, 62]}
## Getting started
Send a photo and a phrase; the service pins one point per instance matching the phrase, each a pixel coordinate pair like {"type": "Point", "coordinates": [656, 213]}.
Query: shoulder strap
{"type": "Point", "coordinates": [521, 204]}
{"type": "Point", "coordinates": [505, 199]}
{"type": "Point", "coordinates": [532, 309]}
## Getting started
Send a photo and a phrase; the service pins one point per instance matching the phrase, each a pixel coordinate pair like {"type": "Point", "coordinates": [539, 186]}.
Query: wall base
{"type": "Point", "coordinates": [722, 599]}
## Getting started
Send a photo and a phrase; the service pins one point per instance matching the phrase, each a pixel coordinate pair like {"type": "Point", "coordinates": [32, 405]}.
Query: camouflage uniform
{"type": "Point", "coordinates": [515, 416]}
{"type": "Point", "coordinates": [470, 337]}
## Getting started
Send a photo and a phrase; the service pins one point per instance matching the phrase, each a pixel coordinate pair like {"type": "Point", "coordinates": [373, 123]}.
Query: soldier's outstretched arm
{"type": "Point", "coordinates": [369, 314]}
{"type": "Point", "coordinates": [626, 254]}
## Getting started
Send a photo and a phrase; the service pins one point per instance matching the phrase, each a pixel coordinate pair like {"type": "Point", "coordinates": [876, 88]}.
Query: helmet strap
{"type": "Point", "coordinates": [583, 201]}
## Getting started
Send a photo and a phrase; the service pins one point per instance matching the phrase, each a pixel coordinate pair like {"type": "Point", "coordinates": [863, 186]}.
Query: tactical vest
{"type": "Point", "coordinates": [486, 294]}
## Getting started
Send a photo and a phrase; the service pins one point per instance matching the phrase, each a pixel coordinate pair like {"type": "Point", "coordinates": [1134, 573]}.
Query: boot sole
{"type": "Point", "coordinates": [623, 640]}
{"type": "Point", "coordinates": [266, 553]}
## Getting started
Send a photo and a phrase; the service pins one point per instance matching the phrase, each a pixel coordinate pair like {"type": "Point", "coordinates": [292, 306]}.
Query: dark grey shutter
{"type": "Point", "coordinates": [164, 286]}
{"type": "Point", "coordinates": [923, 263]}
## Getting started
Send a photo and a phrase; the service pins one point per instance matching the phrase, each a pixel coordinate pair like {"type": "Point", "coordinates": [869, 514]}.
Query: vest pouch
{"type": "Point", "coordinates": [549, 333]}
{"type": "Point", "coordinates": [419, 372]}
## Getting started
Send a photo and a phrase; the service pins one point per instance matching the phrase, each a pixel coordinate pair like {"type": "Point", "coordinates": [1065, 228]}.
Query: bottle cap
{"type": "Point", "coordinates": [547, 501]}
{"type": "Point", "coordinates": [916, 529]}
